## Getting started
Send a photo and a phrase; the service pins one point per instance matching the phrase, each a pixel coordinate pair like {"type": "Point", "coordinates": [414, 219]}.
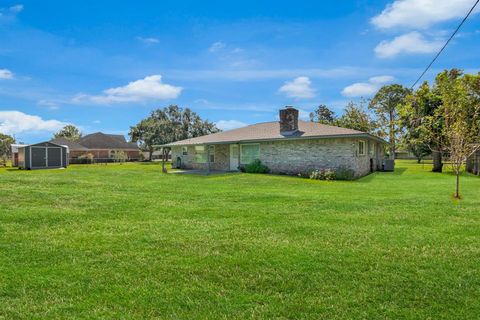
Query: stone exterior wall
{"type": "Point", "coordinates": [298, 156]}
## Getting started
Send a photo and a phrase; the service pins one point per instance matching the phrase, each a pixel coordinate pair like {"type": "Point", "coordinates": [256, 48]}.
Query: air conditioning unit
{"type": "Point", "coordinates": [388, 165]}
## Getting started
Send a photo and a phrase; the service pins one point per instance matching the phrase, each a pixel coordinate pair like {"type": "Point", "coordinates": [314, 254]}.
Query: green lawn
{"type": "Point", "coordinates": [126, 241]}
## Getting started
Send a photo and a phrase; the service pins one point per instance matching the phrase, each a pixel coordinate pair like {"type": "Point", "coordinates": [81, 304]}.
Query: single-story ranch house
{"type": "Point", "coordinates": [101, 146]}
{"type": "Point", "coordinates": [288, 146]}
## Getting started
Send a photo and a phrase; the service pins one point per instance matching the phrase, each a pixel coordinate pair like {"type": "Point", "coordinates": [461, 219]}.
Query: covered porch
{"type": "Point", "coordinates": [214, 157]}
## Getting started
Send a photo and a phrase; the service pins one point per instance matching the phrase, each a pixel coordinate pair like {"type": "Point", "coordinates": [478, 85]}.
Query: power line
{"type": "Point", "coordinates": [446, 44]}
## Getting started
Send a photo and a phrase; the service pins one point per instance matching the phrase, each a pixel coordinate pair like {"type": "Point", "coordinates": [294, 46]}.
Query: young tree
{"type": "Point", "coordinates": [168, 125]}
{"type": "Point", "coordinates": [385, 104]}
{"type": "Point", "coordinates": [6, 142]}
{"type": "Point", "coordinates": [356, 117]}
{"type": "Point", "coordinates": [322, 114]}
{"type": "Point", "coordinates": [119, 156]}
{"type": "Point", "coordinates": [69, 132]}
{"type": "Point", "coordinates": [461, 113]}
{"type": "Point", "coordinates": [422, 124]}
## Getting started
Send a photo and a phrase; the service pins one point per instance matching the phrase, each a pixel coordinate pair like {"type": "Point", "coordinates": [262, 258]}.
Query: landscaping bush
{"type": "Point", "coordinates": [84, 159]}
{"type": "Point", "coordinates": [323, 174]}
{"type": "Point", "coordinates": [343, 173]}
{"type": "Point", "coordinates": [256, 166]}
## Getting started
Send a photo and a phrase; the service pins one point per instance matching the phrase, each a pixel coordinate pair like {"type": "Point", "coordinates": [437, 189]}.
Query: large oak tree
{"type": "Point", "coordinates": [167, 125]}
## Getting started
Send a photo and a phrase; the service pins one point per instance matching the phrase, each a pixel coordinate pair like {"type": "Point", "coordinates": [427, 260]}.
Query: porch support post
{"type": "Point", "coordinates": [238, 169]}
{"type": "Point", "coordinates": [208, 159]}
{"type": "Point", "coordinates": [163, 160]}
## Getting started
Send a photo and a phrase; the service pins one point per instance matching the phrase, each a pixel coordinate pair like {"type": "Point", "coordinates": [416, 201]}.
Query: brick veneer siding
{"type": "Point", "coordinates": [104, 154]}
{"type": "Point", "coordinates": [298, 156]}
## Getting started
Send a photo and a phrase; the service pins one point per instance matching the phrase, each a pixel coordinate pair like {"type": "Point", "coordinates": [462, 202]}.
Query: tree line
{"type": "Point", "coordinates": [441, 119]}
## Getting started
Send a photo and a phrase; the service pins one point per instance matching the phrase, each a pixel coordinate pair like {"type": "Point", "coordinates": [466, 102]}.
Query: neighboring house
{"type": "Point", "coordinates": [473, 163]}
{"type": "Point", "coordinates": [15, 148]}
{"type": "Point", "coordinates": [101, 146]}
{"type": "Point", "coordinates": [75, 148]}
{"type": "Point", "coordinates": [288, 146]}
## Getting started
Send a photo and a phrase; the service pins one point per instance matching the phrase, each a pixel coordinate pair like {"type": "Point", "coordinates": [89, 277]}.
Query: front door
{"type": "Point", "coordinates": [234, 157]}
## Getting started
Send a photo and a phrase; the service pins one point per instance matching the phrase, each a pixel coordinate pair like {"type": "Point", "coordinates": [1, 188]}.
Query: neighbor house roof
{"type": "Point", "coordinates": [101, 140]}
{"type": "Point", "coordinates": [271, 131]}
{"type": "Point", "coordinates": [72, 145]}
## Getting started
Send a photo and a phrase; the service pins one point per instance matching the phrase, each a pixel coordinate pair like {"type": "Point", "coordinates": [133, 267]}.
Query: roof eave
{"type": "Point", "coordinates": [353, 135]}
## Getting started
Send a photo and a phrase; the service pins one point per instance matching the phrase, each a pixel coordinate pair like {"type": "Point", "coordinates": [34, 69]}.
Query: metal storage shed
{"type": "Point", "coordinates": [45, 155]}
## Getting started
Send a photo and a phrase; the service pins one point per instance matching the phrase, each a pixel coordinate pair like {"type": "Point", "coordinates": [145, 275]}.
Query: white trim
{"type": "Point", "coordinates": [236, 160]}
{"type": "Point", "coordinates": [209, 153]}
{"type": "Point", "coordinates": [364, 153]}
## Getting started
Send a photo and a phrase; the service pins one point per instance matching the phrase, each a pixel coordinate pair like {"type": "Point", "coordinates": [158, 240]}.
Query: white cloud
{"type": "Point", "coordinates": [51, 104]}
{"type": "Point", "coordinates": [420, 13]}
{"type": "Point", "coordinates": [299, 88]}
{"type": "Point", "coordinates": [14, 122]}
{"type": "Point", "coordinates": [229, 124]}
{"type": "Point", "coordinates": [149, 88]}
{"type": "Point", "coordinates": [16, 8]}
{"type": "Point", "coordinates": [217, 46]}
{"type": "Point", "coordinates": [150, 40]}
{"type": "Point", "coordinates": [6, 74]}
{"type": "Point", "coordinates": [381, 79]}
{"type": "Point", "coordinates": [365, 89]}
{"type": "Point", "coordinates": [408, 43]}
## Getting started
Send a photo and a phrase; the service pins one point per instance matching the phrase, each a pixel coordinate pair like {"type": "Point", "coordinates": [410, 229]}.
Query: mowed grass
{"type": "Point", "coordinates": [128, 242]}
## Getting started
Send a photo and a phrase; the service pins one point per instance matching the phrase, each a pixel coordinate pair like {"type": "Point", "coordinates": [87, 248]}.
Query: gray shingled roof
{"type": "Point", "coordinates": [271, 131]}
{"type": "Point", "coordinates": [101, 140]}
{"type": "Point", "coordinates": [72, 145]}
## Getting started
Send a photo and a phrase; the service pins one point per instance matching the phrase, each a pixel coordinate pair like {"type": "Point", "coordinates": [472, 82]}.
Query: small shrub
{"type": "Point", "coordinates": [85, 158]}
{"type": "Point", "coordinates": [256, 166]}
{"type": "Point", "coordinates": [323, 174]}
{"type": "Point", "coordinates": [305, 174]}
{"type": "Point", "coordinates": [343, 173]}
{"type": "Point", "coordinates": [119, 156]}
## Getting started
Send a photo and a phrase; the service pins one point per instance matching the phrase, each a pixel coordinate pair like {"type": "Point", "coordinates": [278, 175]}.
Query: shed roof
{"type": "Point", "coordinates": [271, 131]}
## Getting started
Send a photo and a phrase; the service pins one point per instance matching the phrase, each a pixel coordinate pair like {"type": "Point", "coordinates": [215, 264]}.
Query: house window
{"type": "Point", "coordinates": [249, 152]}
{"type": "Point", "coordinates": [212, 153]}
{"type": "Point", "coordinates": [200, 154]}
{"type": "Point", "coordinates": [361, 148]}
{"type": "Point", "coordinates": [112, 153]}
{"type": "Point", "coordinates": [185, 151]}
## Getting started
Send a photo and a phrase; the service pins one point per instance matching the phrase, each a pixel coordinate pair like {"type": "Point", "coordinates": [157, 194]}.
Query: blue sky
{"type": "Point", "coordinates": [104, 65]}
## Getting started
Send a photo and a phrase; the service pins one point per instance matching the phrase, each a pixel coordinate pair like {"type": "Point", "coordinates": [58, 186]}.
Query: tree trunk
{"type": "Point", "coordinates": [419, 160]}
{"type": "Point", "coordinates": [392, 137]}
{"type": "Point", "coordinates": [150, 154]}
{"type": "Point", "coordinates": [437, 161]}
{"type": "Point", "coordinates": [457, 186]}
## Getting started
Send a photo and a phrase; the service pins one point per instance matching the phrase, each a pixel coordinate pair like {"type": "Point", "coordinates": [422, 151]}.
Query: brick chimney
{"type": "Point", "coordinates": [288, 121]}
